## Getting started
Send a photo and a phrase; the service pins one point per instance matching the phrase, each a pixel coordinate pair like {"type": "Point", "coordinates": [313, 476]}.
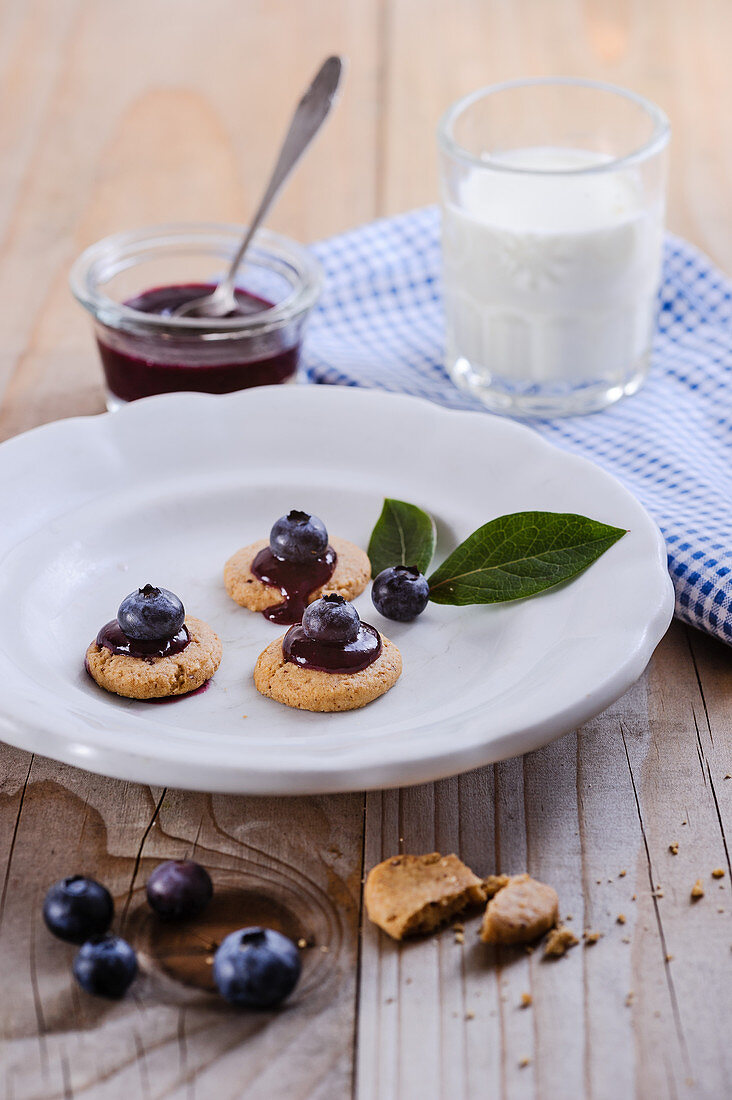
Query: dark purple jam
{"type": "Point", "coordinates": [115, 640]}
{"type": "Point", "coordinates": [139, 365]}
{"type": "Point", "coordinates": [306, 653]}
{"type": "Point", "coordinates": [295, 580]}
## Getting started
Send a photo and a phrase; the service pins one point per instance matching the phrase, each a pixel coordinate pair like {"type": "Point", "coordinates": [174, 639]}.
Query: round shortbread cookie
{"type": "Point", "coordinates": [350, 576]}
{"type": "Point", "coordinates": [310, 689]}
{"type": "Point", "coordinates": [138, 678]}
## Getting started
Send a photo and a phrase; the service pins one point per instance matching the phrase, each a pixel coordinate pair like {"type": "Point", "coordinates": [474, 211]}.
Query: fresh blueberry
{"type": "Point", "coordinates": [256, 967]}
{"type": "Point", "coordinates": [105, 966]}
{"type": "Point", "coordinates": [179, 888]}
{"type": "Point", "coordinates": [331, 620]}
{"type": "Point", "coordinates": [76, 908]}
{"type": "Point", "coordinates": [298, 537]}
{"type": "Point", "coordinates": [151, 614]}
{"type": "Point", "coordinates": [400, 592]}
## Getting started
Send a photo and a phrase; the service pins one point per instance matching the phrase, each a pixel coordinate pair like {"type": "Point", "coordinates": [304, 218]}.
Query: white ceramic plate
{"type": "Point", "coordinates": [166, 489]}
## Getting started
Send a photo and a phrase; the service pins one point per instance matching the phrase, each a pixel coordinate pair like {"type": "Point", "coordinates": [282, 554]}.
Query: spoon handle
{"type": "Point", "coordinates": [309, 116]}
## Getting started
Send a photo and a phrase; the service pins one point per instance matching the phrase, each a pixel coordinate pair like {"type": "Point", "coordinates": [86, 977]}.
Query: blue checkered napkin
{"type": "Point", "coordinates": [380, 325]}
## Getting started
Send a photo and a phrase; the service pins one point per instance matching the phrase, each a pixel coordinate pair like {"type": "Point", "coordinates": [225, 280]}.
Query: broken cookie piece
{"type": "Point", "coordinates": [407, 895]}
{"type": "Point", "coordinates": [559, 941]}
{"type": "Point", "coordinates": [494, 883]}
{"type": "Point", "coordinates": [520, 912]}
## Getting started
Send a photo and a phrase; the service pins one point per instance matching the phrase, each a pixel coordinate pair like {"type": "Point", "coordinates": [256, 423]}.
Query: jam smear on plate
{"type": "Point", "coordinates": [326, 657]}
{"type": "Point", "coordinates": [168, 362]}
{"type": "Point", "coordinates": [295, 580]}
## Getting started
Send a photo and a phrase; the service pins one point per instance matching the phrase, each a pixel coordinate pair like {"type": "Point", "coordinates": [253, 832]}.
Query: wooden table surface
{"type": "Point", "coordinates": [117, 114]}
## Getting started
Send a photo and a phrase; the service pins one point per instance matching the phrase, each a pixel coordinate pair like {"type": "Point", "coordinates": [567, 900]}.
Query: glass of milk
{"type": "Point", "coordinates": [553, 207]}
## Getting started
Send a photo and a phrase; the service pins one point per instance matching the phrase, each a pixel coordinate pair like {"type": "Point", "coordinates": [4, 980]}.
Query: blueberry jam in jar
{"type": "Point", "coordinates": [132, 283]}
{"type": "Point", "coordinates": [147, 372]}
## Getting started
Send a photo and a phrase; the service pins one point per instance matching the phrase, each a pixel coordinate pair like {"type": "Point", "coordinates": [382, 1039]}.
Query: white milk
{"type": "Point", "coordinates": [551, 278]}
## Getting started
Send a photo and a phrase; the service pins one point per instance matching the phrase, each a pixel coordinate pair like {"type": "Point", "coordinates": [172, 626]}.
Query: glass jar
{"type": "Point", "coordinates": [132, 281]}
{"type": "Point", "coordinates": [553, 211]}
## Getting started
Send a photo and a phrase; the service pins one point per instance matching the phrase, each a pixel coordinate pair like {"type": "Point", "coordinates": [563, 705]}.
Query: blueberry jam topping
{"type": "Point", "coordinates": [305, 652]}
{"type": "Point", "coordinates": [113, 638]}
{"type": "Point", "coordinates": [295, 580]}
{"type": "Point", "coordinates": [167, 362]}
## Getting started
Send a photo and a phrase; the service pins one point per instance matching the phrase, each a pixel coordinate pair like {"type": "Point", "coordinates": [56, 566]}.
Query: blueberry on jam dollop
{"type": "Point", "coordinates": [325, 640]}
{"type": "Point", "coordinates": [298, 561]}
{"type": "Point", "coordinates": [298, 537]}
{"type": "Point", "coordinates": [150, 614]}
{"type": "Point", "coordinates": [332, 620]}
{"type": "Point", "coordinates": [150, 623]}
{"type": "Point", "coordinates": [400, 593]}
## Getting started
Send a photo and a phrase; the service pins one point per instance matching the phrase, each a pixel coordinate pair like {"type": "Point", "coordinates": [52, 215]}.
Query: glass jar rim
{"type": "Point", "coordinates": [123, 247]}
{"type": "Point", "coordinates": [658, 139]}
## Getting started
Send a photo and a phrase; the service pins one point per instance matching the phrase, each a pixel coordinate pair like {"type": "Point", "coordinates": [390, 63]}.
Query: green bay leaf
{"type": "Point", "coordinates": [403, 535]}
{"type": "Point", "coordinates": [519, 555]}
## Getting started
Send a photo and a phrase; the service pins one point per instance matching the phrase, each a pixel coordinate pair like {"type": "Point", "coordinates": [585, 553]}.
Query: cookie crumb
{"type": "Point", "coordinates": [674, 848]}
{"type": "Point", "coordinates": [459, 937]}
{"type": "Point", "coordinates": [209, 960]}
{"type": "Point", "coordinates": [625, 939]}
{"type": "Point", "coordinates": [494, 883]}
{"type": "Point", "coordinates": [657, 893]}
{"type": "Point", "coordinates": [591, 937]}
{"type": "Point", "coordinates": [526, 1000]}
{"type": "Point", "coordinates": [669, 958]}
{"type": "Point", "coordinates": [529, 948]}
{"type": "Point", "coordinates": [629, 999]}
{"type": "Point", "coordinates": [622, 874]}
{"type": "Point", "coordinates": [524, 1063]}
{"type": "Point", "coordinates": [720, 909]}
{"type": "Point", "coordinates": [302, 942]}
{"type": "Point", "coordinates": [559, 941]}
{"type": "Point", "coordinates": [568, 916]}
{"type": "Point", "coordinates": [718, 872]}
{"type": "Point", "coordinates": [634, 897]}
{"type": "Point", "coordinates": [728, 776]}
{"type": "Point", "coordinates": [697, 890]}
{"type": "Point", "coordinates": [620, 918]}
{"type": "Point", "coordinates": [469, 1015]}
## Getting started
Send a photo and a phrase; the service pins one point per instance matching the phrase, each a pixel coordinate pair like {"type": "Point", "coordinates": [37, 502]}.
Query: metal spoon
{"type": "Point", "coordinates": [311, 112]}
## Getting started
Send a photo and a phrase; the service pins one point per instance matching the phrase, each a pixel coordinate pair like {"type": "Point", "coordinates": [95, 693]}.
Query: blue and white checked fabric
{"type": "Point", "coordinates": [380, 325]}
